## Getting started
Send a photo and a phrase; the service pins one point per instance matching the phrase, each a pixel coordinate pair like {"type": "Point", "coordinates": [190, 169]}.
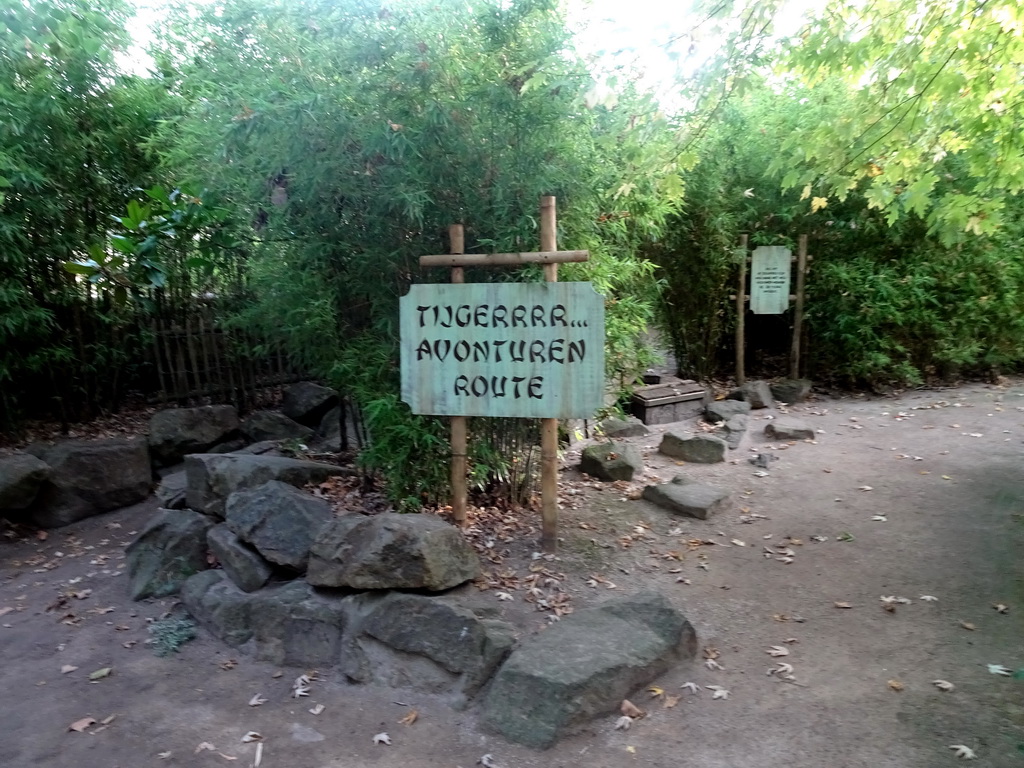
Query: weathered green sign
{"type": "Point", "coordinates": [532, 350]}
{"type": "Point", "coordinates": [769, 280]}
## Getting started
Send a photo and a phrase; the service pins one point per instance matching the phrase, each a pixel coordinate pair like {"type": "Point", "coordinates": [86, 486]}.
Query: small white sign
{"type": "Point", "coordinates": [769, 280]}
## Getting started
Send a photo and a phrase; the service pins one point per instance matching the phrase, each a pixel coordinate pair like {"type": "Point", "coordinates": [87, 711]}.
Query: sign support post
{"type": "Point", "coordinates": [549, 427]}
{"type": "Point", "coordinates": [460, 463]}
{"type": "Point", "coordinates": [741, 312]}
{"type": "Point", "coordinates": [798, 312]}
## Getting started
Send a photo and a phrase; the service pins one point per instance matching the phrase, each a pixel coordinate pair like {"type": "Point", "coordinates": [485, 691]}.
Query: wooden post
{"type": "Point", "coordinates": [456, 237]}
{"type": "Point", "coordinates": [741, 314]}
{"type": "Point", "coordinates": [798, 312]}
{"type": "Point", "coordinates": [549, 427]}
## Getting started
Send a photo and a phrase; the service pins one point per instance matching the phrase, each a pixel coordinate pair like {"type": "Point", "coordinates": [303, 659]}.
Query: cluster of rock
{"type": "Point", "coordinates": [55, 485]}
{"type": "Point", "coordinates": [619, 460]}
{"type": "Point", "coordinates": [374, 596]}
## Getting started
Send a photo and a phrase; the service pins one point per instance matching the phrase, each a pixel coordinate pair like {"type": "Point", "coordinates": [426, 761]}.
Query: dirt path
{"type": "Point", "coordinates": [953, 528]}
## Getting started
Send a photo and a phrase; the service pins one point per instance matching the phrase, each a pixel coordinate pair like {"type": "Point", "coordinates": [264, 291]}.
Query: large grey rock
{"type": "Point", "coordinates": [89, 477]}
{"type": "Point", "coordinates": [788, 428]}
{"type": "Point", "coordinates": [791, 390]}
{"type": "Point", "coordinates": [583, 666]}
{"type": "Point", "coordinates": [631, 426]}
{"type": "Point", "coordinates": [176, 432]}
{"type": "Point", "coordinates": [171, 490]}
{"type": "Point", "coordinates": [687, 498]}
{"type": "Point", "coordinates": [290, 624]}
{"type": "Point", "coordinates": [219, 606]}
{"type": "Point", "coordinates": [243, 565]}
{"type": "Point", "coordinates": [735, 429]}
{"type": "Point", "coordinates": [171, 548]}
{"type": "Point", "coordinates": [611, 461]}
{"type": "Point", "coordinates": [723, 410]}
{"type": "Point", "coordinates": [21, 477]}
{"type": "Point", "coordinates": [279, 520]}
{"type": "Point", "coordinates": [212, 478]}
{"type": "Point", "coordinates": [307, 403]}
{"type": "Point", "coordinates": [328, 434]}
{"type": "Point", "coordinates": [430, 644]}
{"type": "Point", "coordinates": [757, 393]}
{"type": "Point", "coordinates": [296, 625]}
{"type": "Point", "coordinates": [699, 449]}
{"type": "Point", "coordinates": [270, 425]}
{"type": "Point", "coordinates": [391, 551]}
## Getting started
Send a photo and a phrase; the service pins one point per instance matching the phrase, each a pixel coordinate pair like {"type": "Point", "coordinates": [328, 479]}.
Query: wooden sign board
{"type": "Point", "coordinates": [769, 280]}
{"type": "Point", "coordinates": [529, 350]}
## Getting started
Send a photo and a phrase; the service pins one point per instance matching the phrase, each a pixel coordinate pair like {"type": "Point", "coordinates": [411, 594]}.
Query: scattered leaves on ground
{"type": "Point", "coordinates": [382, 738]}
{"type": "Point", "coordinates": [895, 685]}
{"type": "Point", "coordinates": [629, 709]}
{"type": "Point", "coordinates": [943, 685]}
{"type": "Point", "coordinates": [81, 725]}
{"type": "Point", "coordinates": [777, 650]}
{"type": "Point", "coordinates": [624, 723]}
{"type": "Point", "coordinates": [999, 669]}
{"type": "Point", "coordinates": [963, 751]}
{"type": "Point", "coordinates": [99, 674]}
{"type": "Point", "coordinates": [410, 718]}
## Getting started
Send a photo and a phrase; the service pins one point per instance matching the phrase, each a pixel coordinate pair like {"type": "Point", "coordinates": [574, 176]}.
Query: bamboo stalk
{"type": "Point", "coordinates": [190, 344]}
{"type": "Point", "coordinates": [549, 427]}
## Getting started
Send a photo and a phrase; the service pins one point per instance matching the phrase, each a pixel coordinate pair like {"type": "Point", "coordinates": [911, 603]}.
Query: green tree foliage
{"type": "Point", "coordinates": [928, 82]}
{"type": "Point", "coordinates": [351, 135]}
{"type": "Point", "coordinates": [71, 129]}
{"type": "Point", "coordinates": [889, 303]}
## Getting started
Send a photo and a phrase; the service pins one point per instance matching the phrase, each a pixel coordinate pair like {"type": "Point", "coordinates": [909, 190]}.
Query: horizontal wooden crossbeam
{"type": "Point", "coordinates": [502, 259]}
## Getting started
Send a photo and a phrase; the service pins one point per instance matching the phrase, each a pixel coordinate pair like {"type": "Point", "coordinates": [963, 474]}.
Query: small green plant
{"type": "Point", "coordinates": [168, 635]}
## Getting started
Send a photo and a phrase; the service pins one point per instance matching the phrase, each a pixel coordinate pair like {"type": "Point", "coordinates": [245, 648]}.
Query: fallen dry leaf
{"type": "Point", "coordinates": [943, 685]}
{"type": "Point", "coordinates": [251, 736]}
{"type": "Point", "coordinates": [382, 738]}
{"type": "Point", "coordinates": [80, 725]}
{"type": "Point", "coordinates": [318, 709]}
{"type": "Point", "coordinates": [718, 692]}
{"type": "Point", "coordinates": [963, 751]}
{"type": "Point", "coordinates": [258, 757]}
{"type": "Point", "coordinates": [968, 625]}
{"type": "Point", "coordinates": [629, 709]}
{"type": "Point", "coordinates": [205, 746]}
{"type": "Point", "coordinates": [656, 692]}
{"type": "Point", "coordinates": [777, 650]}
{"type": "Point", "coordinates": [257, 699]}
{"type": "Point", "coordinates": [691, 687]}
{"type": "Point", "coordinates": [999, 669]}
{"type": "Point", "coordinates": [67, 668]}
{"type": "Point", "coordinates": [896, 685]}
{"type": "Point", "coordinates": [99, 674]}
{"type": "Point", "coordinates": [623, 723]}
{"type": "Point", "coordinates": [1000, 608]}
{"type": "Point", "coordinates": [671, 701]}
{"type": "Point", "coordinates": [410, 718]}
{"type": "Point", "coordinates": [843, 605]}
{"type": "Point", "coordinates": [164, 755]}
